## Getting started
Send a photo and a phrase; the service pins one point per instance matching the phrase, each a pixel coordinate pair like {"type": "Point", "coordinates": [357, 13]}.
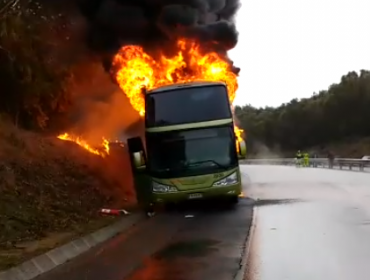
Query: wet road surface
{"type": "Point", "coordinates": [309, 224]}
{"type": "Point", "coordinates": [207, 245]}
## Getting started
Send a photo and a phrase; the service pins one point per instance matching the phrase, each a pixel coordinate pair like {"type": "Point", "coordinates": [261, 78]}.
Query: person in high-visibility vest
{"type": "Point", "coordinates": [306, 160]}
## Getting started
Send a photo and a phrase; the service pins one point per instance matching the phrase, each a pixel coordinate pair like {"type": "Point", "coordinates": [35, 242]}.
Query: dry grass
{"type": "Point", "coordinates": [53, 188]}
{"type": "Point", "coordinates": [50, 190]}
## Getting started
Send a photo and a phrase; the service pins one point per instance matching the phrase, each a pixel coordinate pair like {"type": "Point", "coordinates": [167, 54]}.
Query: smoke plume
{"type": "Point", "coordinates": [100, 108]}
{"type": "Point", "coordinates": [157, 24]}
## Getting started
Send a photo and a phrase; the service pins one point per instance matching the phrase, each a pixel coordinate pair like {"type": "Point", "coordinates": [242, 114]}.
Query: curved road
{"type": "Point", "coordinates": [309, 224]}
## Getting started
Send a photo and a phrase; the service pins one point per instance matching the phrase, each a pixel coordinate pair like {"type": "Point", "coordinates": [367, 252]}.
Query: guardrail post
{"type": "Point", "coordinates": [340, 166]}
{"type": "Point", "coordinates": [361, 167]}
{"type": "Point", "coordinates": [350, 166]}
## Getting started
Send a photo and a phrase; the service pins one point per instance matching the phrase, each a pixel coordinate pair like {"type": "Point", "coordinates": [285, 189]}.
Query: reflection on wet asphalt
{"type": "Point", "coordinates": [210, 246]}
{"type": "Point", "coordinates": [309, 224]}
{"type": "Point", "coordinates": [170, 246]}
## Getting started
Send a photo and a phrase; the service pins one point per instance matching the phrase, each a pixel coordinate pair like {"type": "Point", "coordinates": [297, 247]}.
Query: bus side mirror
{"type": "Point", "coordinates": [242, 149]}
{"type": "Point", "coordinates": [139, 161]}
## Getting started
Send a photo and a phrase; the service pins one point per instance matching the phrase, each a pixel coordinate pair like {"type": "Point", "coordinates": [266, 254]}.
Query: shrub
{"type": "Point", "coordinates": [33, 78]}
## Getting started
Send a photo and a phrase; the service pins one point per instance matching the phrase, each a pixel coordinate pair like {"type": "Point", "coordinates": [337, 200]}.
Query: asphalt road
{"type": "Point", "coordinates": [208, 244]}
{"type": "Point", "coordinates": [309, 224]}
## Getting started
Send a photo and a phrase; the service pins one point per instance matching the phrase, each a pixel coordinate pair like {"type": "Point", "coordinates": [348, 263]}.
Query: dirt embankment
{"type": "Point", "coordinates": [51, 192]}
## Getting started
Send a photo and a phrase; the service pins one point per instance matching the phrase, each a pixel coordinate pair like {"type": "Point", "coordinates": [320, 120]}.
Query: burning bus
{"type": "Point", "coordinates": [190, 145]}
{"type": "Point", "coordinates": [190, 149]}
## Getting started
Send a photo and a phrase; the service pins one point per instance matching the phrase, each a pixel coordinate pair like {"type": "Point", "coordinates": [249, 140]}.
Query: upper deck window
{"type": "Point", "coordinates": [187, 105]}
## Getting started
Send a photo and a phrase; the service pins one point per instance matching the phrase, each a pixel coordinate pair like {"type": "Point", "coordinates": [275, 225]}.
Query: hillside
{"type": "Point", "coordinates": [349, 148]}
{"type": "Point", "coordinates": [336, 118]}
{"type": "Point", "coordinates": [51, 191]}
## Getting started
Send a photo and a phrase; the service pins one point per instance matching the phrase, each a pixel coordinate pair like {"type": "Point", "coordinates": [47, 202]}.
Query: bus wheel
{"type": "Point", "coordinates": [170, 207]}
{"type": "Point", "coordinates": [234, 199]}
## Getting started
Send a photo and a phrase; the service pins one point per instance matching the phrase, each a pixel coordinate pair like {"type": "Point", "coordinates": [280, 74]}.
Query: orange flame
{"type": "Point", "coordinates": [238, 133]}
{"type": "Point", "coordinates": [135, 69]}
{"type": "Point", "coordinates": [104, 151]}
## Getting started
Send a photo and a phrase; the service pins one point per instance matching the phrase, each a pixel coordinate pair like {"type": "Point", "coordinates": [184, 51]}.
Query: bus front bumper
{"type": "Point", "coordinates": [196, 194]}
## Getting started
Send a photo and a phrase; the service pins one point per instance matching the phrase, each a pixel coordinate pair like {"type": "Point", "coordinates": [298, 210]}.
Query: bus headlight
{"type": "Point", "coordinates": [232, 179]}
{"type": "Point", "coordinates": [160, 188]}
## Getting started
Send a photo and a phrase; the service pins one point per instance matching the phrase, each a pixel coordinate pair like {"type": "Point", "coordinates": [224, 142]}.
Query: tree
{"type": "Point", "coordinates": [33, 82]}
{"type": "Point", "coordinates": [338, 113]}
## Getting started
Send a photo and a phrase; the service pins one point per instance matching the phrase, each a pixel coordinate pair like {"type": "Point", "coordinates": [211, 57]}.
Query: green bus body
{"type": "Point", "coordinates": [198, 187]}
{"type": "Point", "coordinates": [186, 161]}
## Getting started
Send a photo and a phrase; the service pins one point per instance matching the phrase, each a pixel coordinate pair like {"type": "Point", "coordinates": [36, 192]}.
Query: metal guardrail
{"type": "Point", "coordinates": [341, 163]}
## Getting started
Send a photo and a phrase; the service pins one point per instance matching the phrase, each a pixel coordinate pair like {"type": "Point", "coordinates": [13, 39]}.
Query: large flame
{"type": "Point", "coordinates": [134, 69]}
{"type": "Point", "coordinates": [238, 133]}
{"type": "Point", "coordinates": [103, 151]}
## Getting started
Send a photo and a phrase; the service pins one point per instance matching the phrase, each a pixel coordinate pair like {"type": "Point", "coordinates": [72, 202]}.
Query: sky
{"type": "Point", "coordinates": [292, 48]}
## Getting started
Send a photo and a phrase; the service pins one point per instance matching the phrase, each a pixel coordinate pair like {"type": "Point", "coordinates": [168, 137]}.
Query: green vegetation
{"type": "Point", "coordinates": [35, 69]}
{"type": "Point", "coordinates": [50, 190]}
{"type": "Point", "coordinates": [335, 119]}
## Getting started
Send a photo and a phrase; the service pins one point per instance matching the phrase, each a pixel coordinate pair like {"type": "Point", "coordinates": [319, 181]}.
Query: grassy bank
{"type": "Point", "coordinates": [51, 192]}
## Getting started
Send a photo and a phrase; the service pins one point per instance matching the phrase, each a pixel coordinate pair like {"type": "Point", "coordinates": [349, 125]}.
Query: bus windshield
{"type": "Point", "coordinates": [187, 105]}
{"type": "Point", "coordinates": [191, 152]}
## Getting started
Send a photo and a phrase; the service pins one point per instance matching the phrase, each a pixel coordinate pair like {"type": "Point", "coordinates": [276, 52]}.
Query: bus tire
{"type": "Point", "coordinates": [234, 200]}
{"type": "Point", "coordinates": [170, 207]}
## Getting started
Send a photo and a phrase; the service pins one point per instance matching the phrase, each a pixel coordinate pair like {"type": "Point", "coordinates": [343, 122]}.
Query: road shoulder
{"type": "Point", "coordinates": [50, 260]}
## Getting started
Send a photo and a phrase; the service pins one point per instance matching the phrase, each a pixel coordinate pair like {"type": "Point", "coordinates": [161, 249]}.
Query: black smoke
{"type": "Point", "coordinates": [157, 24]}
{"type": "Point", "coordinates": [93, 31]}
